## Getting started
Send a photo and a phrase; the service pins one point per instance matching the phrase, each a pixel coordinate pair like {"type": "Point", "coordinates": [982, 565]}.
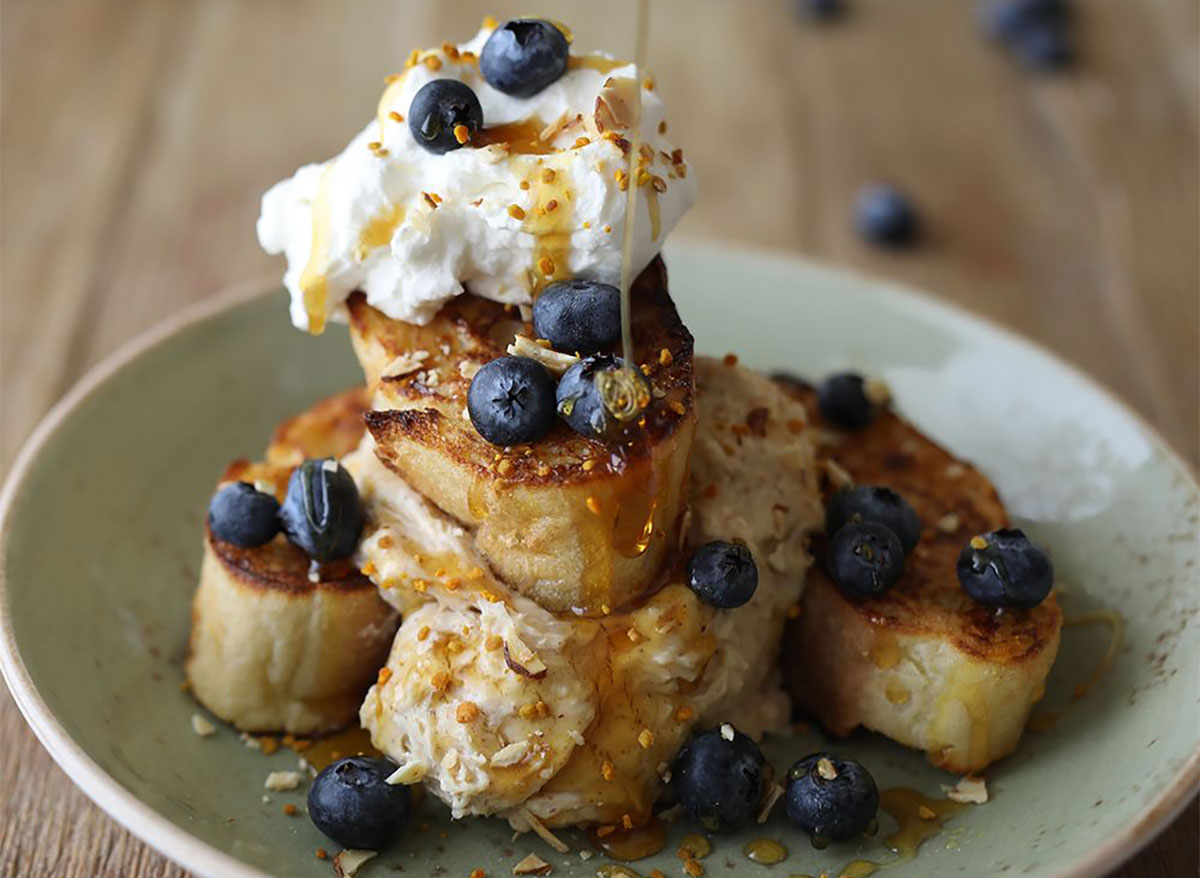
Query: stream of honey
{"type": "Point", "coordinates": [313, 283]}
{"type": "Point", "coordinates": [1044, 720]}
{"type": "Point", "coordinates": [623, 391]}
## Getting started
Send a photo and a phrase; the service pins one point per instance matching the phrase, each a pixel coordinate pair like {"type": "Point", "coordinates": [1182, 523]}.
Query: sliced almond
{"type": "Point", "coordinates": [510, 754]}
{"type": "Point", "coordinates": [280, 781]}
{"type": "Point", "coordinates": [969, 790]}
{"type": "Point", "coordinates": [543, 831]}
{"type": "Point", "coordinates": [202, 727]}
{"type": "Point", "coordinates": [348, 862]}
{"type": "Point", "coordinates": [407, 774]}
{"type": "Point", "coordinates": [614, 105]}
{"type": "Point", "coordinates": [523, 660]}
{"type": "Point", "coordinates": [532, 865]}
{"type": "Point", "coordinates": [555, 361]}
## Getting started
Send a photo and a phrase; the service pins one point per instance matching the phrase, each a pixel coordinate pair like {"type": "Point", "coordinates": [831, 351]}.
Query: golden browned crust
{"type": "Point", "coordinates": [572, 523]}
{"type": "Point", "coordinates": [280, 566]}
{"type": "Point", "coordinates": [270, 649]}
{"type": "Point", "coordinates": [332, 427]}
{"type": "Point", "coordinates": [470, 332]}
{"type": "Point", "coordinates": [923, 664]}
{"type": "Point", "coordinates": [947, 492]}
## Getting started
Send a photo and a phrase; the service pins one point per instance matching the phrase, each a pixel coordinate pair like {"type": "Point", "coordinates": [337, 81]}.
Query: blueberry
{"type": "Point", "coordinates": [523, 56]}
{"type": "Point", "coordinates": [352, 803]}
{"type": "Point", "coordinates": [821, 10]}
{"type": "Point", "coordinates": [580, 316]}
{"type": "Point", "coordinates": [439, 112]}
{"type": "Point", "coordinates": [865, 559]}
{"type": "Point", "coordinates": [1004, 569]}
{"type": "Point", "coordinates": [831, 797]}
{"type": "Point", "coordinates": [843, 401]}
{"type": "Point", "coordinates": [241, 515]}
{"type": "Point", "coordinates": [1044, 46]}
{"type": "Point", "coordinates": [511, 401]}
{"type": "Point", "coordinates": [719, 778]}
{"type": "Point", "coordinates": [579, 400]}
{"type": "Point", "coordinates": [1005, 20]}
{"type": "Point", "coordinates": [321, 512]}
{"type": "Point", "coordinates": [884, 215]}
{"type": "Point", "coordinates": [877, 504]}
{"type": "Point", "coordinates": [723, 574]}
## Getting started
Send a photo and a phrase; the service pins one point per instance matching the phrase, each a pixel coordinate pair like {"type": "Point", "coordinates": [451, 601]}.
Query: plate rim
{"type": "Point", "coordinates": [194, 854]}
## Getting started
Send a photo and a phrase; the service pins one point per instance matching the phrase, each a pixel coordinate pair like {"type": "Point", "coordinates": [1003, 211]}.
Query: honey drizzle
{"type": "Point", "coordinates": [623, 391]}
{"type": "Point", "coordinates": [629, 845]}
{"type": "Point", "coordinates": [594, 62]}
{"type": "Point", "coordinates": [320, 752]}
{"type": "Point", "coordinates": [655, 214]}
{"type": "Point", "coordinates": [913, 830]}
{"type": "Point", "coordinates": [314, 285]}
{"type": "Point", "coordinates": [1043, 721]}
{"type": "Point", "coordinates": [521, 138]}
{"type": "Point", "coordinates": [765, 852]}
{"type": "Point", "coordinates": [386, 99]}
{"type": "Point", "coordinates": [1105, 617]}
{"type": "Point", "coordinates": [549, 220]}
{"type": "Point", "coordinates": [643, 23]}
{"type": "Point", "coordinates": [379, 230]}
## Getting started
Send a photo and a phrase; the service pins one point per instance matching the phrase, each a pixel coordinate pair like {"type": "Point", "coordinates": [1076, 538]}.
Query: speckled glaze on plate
{"type": "Point", "coordinates": [101, 538]}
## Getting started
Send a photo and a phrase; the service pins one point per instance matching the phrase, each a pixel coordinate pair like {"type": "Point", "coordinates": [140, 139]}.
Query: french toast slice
{"type": "Point", "coordinates": [923, 664]}
{"type": "Point", "coordinates": [572, 523]}
{"type": "Point", "coordinates": [279, 644]}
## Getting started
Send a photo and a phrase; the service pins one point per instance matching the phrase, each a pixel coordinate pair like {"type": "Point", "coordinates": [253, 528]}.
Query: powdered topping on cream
{"type": "Point", "coordinates": [537, 195]}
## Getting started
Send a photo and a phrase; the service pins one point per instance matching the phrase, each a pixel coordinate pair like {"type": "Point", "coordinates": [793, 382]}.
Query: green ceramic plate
{"type": "Point", "coordinates": [101, 538]}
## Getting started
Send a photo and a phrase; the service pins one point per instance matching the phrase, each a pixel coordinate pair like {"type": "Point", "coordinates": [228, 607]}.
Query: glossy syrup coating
{"type": "Point", "coordinates": [322, 513]}
{"type": "Point", "coordinates": [444, 115]}
{"type": "Point", "coordinates": [831, 797]}
{"type": "Point", "coordinates": [1003, 568]}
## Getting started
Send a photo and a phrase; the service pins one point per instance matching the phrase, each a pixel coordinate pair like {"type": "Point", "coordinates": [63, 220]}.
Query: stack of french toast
{"type": "Point", "coordinates": [536, 564]}
{"type": "Point", "coordinates": [542, 591]}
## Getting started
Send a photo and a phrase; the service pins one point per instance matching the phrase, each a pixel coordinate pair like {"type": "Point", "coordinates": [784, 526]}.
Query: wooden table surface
{"type": "Point", "coordinates": [137, 136]}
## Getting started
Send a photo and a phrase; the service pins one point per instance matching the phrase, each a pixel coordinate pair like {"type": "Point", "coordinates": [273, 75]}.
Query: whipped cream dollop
{"type": "Point", "coordinates": [538, 194]}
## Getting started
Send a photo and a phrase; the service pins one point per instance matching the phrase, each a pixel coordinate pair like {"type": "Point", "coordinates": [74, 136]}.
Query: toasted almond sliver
{"type": "Point", "coordinates": [510, 754]}
{"type": "Point", "coordinates": [554, 361]}
{"type": "Point", "coordinates": [407, 774]}
{"type": "Point", "coordinates": [348, 862]}
{"type": "Point", "coordinates": [279, 781]}
{"type": "Point", "coordinates": [202, 727]}
{"type": "Point", "coordinates": [969, 791]}
{"type": "Point", "coordinates": [532, 865]}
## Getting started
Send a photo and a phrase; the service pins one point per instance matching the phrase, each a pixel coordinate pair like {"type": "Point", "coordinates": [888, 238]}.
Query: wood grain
{"type": "Point", "coordinates": [137, 136]}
